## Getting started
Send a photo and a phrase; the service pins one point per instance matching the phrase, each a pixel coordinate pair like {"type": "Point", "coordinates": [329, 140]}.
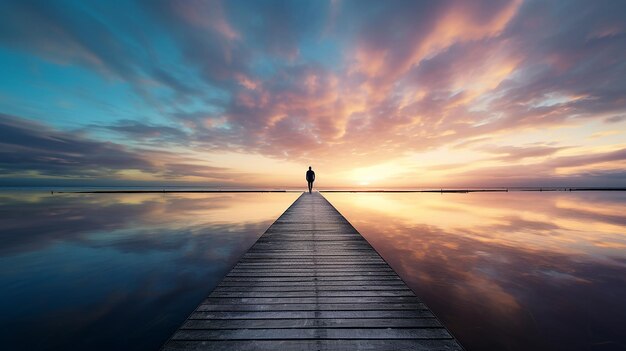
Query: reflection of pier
{"type": "Point", "coordinates": [311, 282]}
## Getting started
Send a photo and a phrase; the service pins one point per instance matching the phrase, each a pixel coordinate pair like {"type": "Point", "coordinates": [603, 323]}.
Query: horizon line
{"type": "Point", "coordinates": [430, 190]}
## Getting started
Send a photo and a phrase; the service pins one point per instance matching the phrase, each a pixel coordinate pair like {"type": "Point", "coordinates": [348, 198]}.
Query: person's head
{"type": "Point", "coordinates": [309, 168]}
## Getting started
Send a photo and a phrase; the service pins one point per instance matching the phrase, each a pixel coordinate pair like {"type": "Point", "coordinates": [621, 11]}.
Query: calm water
{"type": "Point", "coordinates": [117, 272]}
{"type": "Point", "coordinates": [507, 271]}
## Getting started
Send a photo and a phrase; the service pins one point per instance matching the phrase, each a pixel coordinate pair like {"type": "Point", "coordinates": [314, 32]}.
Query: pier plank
{"type": "Point", "coordinates": [337, 314]}
{"type": "Point", "coordinates": [311, 333]}
{"type": "Point", "coordinates": [315, 345]}
{"type": "Point", "coordinates": [312, 323]}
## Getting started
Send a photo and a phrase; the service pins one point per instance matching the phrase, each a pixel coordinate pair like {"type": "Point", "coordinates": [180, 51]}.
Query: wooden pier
{"type": "Point", "coordinates": [311, 282]}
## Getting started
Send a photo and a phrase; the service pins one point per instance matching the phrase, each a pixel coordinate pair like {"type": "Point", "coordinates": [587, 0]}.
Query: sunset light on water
{"type": "Point", "coordinates": [507, 270]}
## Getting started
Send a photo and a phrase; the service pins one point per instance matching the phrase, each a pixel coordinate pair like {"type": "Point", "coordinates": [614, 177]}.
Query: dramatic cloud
{"type": "Point", "coordinates": [29, 148]}
{"type": "Point", "coordinates": [513, 153]}
{"type": "Point", "coordinates": [341, 84]}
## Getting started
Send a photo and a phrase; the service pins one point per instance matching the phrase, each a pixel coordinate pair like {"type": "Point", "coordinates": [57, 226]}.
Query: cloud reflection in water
{"type": "Point", "coordinates": [117, 271]}
{"type": "Point", "coordinates": [514, 271]}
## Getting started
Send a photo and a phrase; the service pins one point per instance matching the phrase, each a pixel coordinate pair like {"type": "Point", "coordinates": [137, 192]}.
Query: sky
{"type": "Point", "coordinates": [369, 93]}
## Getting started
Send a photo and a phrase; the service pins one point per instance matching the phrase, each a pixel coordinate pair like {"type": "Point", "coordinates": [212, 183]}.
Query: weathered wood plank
{"type": "Point", "coordinates": [329, 290]}
{"type": "Point", "coordinates": [316, 293]}
{"type": "Point", "coordinates": [307, 273]}
{"type": "Point", "coordinates": [311, 323]}
{"type": "Point", "coordinates": [311, 278]}
{"type": "Point", "coordinates": [312, 333]}
{"type": "Point", "coordinates": [312, 307]}
{"type": "Point", "coordinates": [312, 260]}
{"type": "Point", "coordinates": [246, 264]}
{"type": "Point", "coordinates": [314, 268]}
{"type": "Point", "coordinates": [311, 237]}
{"type": "Point", "coordinates": [315, 345]}
{"type": "Point", "coordinates": [330, 251]}
{"type": "Point", "coordinates": [312, 283]}
{"type": "Point", "coordinates": [310, 255]}
{"type": "Point", "coordinates": [369, 314]}
{"type": "Point", "coordinates": [311, 300]}
{"type": "Point", "coordinates": [312, 245]}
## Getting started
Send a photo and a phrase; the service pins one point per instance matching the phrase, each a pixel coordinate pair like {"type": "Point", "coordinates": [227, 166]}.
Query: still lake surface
{"type": "Point", "coordinates": [117, 271]}
{"type": "Point", "coordinates": [511, 271]}
{"type": "Point", "coordinates": [507, 271]}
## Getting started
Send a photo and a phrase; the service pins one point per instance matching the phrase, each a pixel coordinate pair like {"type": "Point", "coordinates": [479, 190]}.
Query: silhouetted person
{"type": "Point", "coordinates": [310, 178]}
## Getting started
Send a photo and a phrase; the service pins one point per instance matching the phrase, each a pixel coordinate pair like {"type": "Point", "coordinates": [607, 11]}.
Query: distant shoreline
{"type": "Point", "coordinates": [456, 191]}
{"type": "Point", "coordinates": [174, 191]}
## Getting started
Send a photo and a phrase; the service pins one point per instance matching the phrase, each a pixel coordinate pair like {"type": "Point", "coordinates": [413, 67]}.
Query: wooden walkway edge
{"type": "Point", "coordinates": [311, 282]}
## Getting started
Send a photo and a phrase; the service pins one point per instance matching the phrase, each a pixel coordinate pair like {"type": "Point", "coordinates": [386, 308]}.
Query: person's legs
{"type": "Point", "coordinates": [310, 186]}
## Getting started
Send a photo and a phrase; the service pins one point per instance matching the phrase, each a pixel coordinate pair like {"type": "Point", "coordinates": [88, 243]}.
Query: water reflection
{"type": "Point", "coordinates": [117, 271]}
{"type": "Point", "coordinates": [513, 271]}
